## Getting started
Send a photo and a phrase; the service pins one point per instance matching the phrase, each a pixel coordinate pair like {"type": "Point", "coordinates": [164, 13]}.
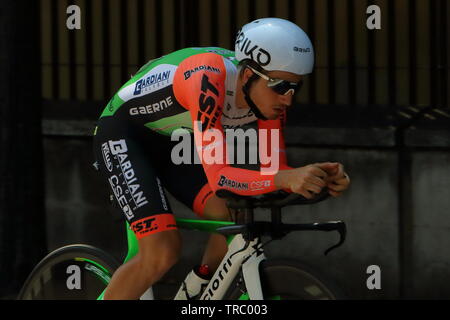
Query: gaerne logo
{"type": "Point", "coordinates": [189, 73]}
{"type": "Point", "coordinates": [225, 182]}
{"type": "Point", "coordinates": [152, 108]}
{"type": "Point", "coordinates": [151, 80]}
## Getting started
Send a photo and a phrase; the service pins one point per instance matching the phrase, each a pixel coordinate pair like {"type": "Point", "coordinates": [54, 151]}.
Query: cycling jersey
{"type": "Point", "coordinates": [192, 86]}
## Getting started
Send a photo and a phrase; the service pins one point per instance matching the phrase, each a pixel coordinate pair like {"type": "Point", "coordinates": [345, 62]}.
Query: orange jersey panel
{"type": "Point", "coordinates": [199, 86]}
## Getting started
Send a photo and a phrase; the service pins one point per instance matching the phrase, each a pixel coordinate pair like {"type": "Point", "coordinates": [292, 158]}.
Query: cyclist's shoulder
{"type": "Point", "coordinates": [185, 57]}
{"type": "Point", "coordinates": [161, 72]}
{"type": "Point", "coordinates": [202, 56]}
{"type": "Point", "coordinates": [200, 68]}
{"type": "Point", "coordinates": [206, 51]}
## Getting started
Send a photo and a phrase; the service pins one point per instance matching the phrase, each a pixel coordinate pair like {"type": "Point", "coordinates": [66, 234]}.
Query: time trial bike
{"type": "Point", "coordinates": [82, 272]}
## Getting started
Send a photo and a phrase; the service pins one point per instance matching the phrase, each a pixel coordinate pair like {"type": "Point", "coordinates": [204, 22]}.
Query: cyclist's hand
{"type": "Point", "coordinates": [307, 181]}
{"type": "Point", "coordinates": [337, 180]}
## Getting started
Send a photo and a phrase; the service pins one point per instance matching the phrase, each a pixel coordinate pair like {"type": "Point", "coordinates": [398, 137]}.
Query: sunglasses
{"type": "Point", "coordinates": [282, 87]}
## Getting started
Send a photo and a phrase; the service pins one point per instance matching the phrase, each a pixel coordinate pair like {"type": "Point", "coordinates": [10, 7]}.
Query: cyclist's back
{"type": "Point", "coordinates": [157, 95]}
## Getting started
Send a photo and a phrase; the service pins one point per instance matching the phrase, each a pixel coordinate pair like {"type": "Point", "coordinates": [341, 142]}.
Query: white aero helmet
{"type": "Point", "coordinates": [276, 45]}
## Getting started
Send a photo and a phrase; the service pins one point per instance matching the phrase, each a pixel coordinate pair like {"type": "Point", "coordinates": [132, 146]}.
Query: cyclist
{"type": "Point", "coordinates": [201, 89]}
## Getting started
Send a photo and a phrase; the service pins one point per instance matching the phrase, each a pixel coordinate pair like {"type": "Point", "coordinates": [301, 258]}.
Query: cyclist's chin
{"type": "Point", "coordinates": [270, 113]}
{"type": "Point", "coordinates": [273, 114]}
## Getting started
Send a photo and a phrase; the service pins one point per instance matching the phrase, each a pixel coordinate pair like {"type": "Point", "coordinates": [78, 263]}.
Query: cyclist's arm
{"type": "Point", "coordinates": [203, 94]}
{"type": "Point", "coordinates": [280, 149]}
{"type": "Point", "coordinates": [275, 129]}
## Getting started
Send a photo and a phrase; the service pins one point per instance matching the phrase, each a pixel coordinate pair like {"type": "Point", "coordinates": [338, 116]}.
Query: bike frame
{"type": "Point", "coordinates": [241, 253]}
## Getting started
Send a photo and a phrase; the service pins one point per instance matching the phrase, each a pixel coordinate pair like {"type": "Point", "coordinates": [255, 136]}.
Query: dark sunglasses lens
{"type": "Point", "coordinates": [285, 86]}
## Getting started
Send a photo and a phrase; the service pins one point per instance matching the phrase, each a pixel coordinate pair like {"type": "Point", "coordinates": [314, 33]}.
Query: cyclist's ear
{"type": "Point", "coordinates": [246, 75]}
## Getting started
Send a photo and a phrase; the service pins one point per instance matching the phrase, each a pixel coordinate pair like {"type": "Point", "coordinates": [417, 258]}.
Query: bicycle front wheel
{"type": "Point", "coordinates": [288, 280]}
{"type": "Point", "coordinates": [74, 272]}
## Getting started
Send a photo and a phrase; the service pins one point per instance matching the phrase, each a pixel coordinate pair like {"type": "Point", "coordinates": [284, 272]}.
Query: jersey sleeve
{"type": "Point", "coordinates": [199, 85]}
{"type": "Point", "coordinates": [277, 150]}
{"type": "Point", "coordinates": [273, 143]}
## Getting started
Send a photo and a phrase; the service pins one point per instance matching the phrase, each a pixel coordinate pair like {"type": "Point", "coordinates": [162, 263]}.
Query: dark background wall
{"type": "Point", "coordinates": [377, 102]}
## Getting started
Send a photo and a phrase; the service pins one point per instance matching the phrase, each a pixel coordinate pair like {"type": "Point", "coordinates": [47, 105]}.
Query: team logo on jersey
{"type": "Point", "coordinates": [209, 111]}
{"type": "Point", "coordinates": [260, 185]}
{"type": "Point", "coordinates": [189, 73]}
{"type": "Point", "coordinates": [225, 182]}
{"type": "Point", "coordinates": [126, 183]}
{"type": "Point", "coordinates": [150, 81]}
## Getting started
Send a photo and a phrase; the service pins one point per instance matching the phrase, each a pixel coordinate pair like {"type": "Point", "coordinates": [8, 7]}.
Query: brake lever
{"type": "Point", "coordinates": [342, 229]}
